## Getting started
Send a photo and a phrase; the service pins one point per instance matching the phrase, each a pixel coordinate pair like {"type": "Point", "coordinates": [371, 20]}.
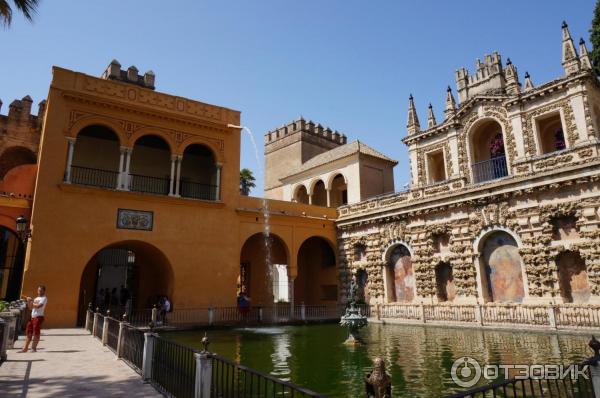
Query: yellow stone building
{"type": "Point", "coordinates": [138, 189]}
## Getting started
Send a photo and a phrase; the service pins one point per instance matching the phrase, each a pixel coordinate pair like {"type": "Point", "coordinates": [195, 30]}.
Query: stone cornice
{"type": "Point", "coordinates": [480, 194]}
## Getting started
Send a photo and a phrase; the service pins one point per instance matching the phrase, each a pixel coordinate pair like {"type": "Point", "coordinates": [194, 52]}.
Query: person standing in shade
{"type": "Point", "coordinates": [33, 329]}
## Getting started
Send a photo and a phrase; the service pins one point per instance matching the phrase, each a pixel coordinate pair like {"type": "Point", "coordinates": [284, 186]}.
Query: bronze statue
{"type": "Point", "coordinates": [378, 382]}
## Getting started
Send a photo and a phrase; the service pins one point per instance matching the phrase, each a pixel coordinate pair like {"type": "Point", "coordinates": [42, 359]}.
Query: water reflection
{"type": "Point", "coordinates": [419, 358]}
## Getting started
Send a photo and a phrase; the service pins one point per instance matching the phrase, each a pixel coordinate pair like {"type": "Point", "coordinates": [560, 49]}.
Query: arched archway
{"type": "Point", "coordinates": [501, 268]}
{"type": "Point", "coordinates": [96, 157]}
{"type": "Point", "coordinates": [12, 258]}
{"type": "Point", "coordinates": [317, 279]}
{"type": "Point", "coordinates": [150, 169]}
{"type": "Point", "coordinates": [256, 271]}
{"type": "Point", "coordinates": [126, 275]}
{"type": "Point", "coordinates": [399, 275]}
{"type": "Point", "coordinates": [338, 191]}
{"type": "Point", "coordinates": [319, 194]}
{"type": "Point", "coordinates": [362, 280]}
{"type": "Point", "coordinates": [198, 173]}
{"type": "Point", "coordinates": [301, 194]}
{"type": "Point", "coordinates": [487, 148]}
{"type": "Point", "coordinates": [15, 156]}
{"type": "Point", "coordinates": [573, 278]}
{"type": "Point", "coordinates": [444, 282]}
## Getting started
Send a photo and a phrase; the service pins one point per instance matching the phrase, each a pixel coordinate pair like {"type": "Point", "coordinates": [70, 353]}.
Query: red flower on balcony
{"type": "Point", "coordinates": [497, 146]}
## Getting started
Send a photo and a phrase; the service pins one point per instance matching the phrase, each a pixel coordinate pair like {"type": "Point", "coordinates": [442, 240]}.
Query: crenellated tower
{"type": "Point", "coordinates": [291, 145]}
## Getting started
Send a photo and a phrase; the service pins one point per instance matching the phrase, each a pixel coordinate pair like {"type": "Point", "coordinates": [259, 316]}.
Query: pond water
{"type": "Point", "coordinates": [419, 358]}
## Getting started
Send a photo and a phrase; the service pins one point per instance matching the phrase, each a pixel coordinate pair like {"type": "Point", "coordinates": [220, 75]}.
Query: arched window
{"type": "Point", "coordinates": [339, 191]}
{"type": "Point", "coordinates": [96, 157]}
{"type": "Point", "coordinates": [150, 169]}
{"type": "Point", "coordinates": [301, 195]}
{"type": "Point", "coordinates": [550, 133]}
{"type": "Point", "coordinates": [488, 152]}
{"type": "Point", "coordinates": [198, 173]}
{"type": "Point", "coordinates": [319, 196]}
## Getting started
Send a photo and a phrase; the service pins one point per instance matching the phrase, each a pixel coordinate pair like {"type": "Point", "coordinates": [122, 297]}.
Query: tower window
{"type": "Point", "coordinates": [551, 135]}
{"type": "Point", "coordinates": [436, 169]}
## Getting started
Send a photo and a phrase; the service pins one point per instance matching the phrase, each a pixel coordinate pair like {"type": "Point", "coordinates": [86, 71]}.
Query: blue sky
{"type": "Point", "coordinates": [347, 64]}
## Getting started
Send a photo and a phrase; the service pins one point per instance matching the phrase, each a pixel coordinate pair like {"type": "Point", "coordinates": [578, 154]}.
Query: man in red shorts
{"type": "Point", "coordinates": [37, 305]}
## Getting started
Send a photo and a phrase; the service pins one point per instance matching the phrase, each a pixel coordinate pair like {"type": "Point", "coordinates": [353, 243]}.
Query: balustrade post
{"type": "Point", "coordinates": [88, 317]}
{"type": "Point", "coordinates": [149, 339]}
{"type": "Point", "coordinates": [422, 306]}
{"type": "Point", "coordinates": [105, 328]}
{"type": "Point", "coordinates": [478, 314]}
{"type": "Point", "coordinates": [211, 315]}
{"type": "Point", "coordinates": [95, 325]}
{"type": "Point", "coordinates": [260, 314]}
{"type": "Point", "coordinates": [154, 315]}
{"type": "Point", "coordinates": [552, 316]}
{"type": "Point", "coordinates": [203, 374]}
{"type": "Point", "coordinates": [120, 339]}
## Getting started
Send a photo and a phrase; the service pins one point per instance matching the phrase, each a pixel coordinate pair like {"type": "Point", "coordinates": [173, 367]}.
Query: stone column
{"type": "Point", "coordinates": [70, 149]}
{"type": "Point", "coordinates": [310, 199]}
{"type": "Point", "coordinates": [218, 182]}
{"type": "Point", "coordinates": [125, 179]}
{"type": "Point", "coordinates": [328, 197]}
{"type": "Point", "coordinates": [172, 181]}
{"type": "Point", "coordinates": [120, 181]}
{"type": "Point", "coordinates": [291, 295]}
{"type": "Point", "coordinates": [178, 176]}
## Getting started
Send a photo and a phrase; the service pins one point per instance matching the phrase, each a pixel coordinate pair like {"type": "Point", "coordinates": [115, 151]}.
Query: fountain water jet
{"type": "Point", "coordinates": [265, 210]}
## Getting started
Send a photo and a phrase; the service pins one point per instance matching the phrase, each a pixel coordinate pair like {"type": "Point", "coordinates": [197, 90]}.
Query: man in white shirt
{"type": "Point", "coordinates": [33, 329]}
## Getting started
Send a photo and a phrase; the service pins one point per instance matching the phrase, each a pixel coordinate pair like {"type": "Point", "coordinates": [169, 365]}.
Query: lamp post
{"type": "Point", "coordinates": [22, 231]}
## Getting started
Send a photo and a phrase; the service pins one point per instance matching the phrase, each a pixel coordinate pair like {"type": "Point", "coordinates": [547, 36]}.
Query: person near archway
{"type": "Point", "coordinates": [33, 328]}
{"type": "Point", "coordinates": [243, 302]}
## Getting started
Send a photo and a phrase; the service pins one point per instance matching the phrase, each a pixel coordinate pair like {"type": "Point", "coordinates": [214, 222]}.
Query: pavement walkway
{"type": "Point", "coordinates": [69, 363]}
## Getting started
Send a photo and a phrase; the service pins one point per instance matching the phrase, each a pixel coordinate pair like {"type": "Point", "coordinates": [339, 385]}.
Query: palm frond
{"type": "Point", "coordinates": [27, 7]}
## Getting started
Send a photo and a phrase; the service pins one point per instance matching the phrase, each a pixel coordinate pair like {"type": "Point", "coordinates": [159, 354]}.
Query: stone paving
{"type": "Point", "coordinates": [69, 363]}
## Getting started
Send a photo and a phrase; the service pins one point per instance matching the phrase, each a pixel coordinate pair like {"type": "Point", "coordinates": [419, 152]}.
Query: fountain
{"type": "Point", "coordinates": [353, 318]}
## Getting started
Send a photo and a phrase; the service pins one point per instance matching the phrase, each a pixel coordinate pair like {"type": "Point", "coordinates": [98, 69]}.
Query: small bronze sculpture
{"type": "Point", "coordinates": [378, 382]}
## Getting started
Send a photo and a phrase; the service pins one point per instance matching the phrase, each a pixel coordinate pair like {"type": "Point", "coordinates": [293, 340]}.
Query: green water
{"type": "Point", "coordinates": [419, 358]}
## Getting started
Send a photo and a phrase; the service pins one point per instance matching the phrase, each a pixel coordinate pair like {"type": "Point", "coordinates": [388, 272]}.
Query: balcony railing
{"type": "Point", "coordinates": [491, 169]}
{"type": "Point", "coordinates": [147, 184]}
{"type": "Point", "coordinates": [94, 177]}
{"type": "Point", "coordinates": [141, 183]}
{"type": "Point", "coordinates": [189, 189]}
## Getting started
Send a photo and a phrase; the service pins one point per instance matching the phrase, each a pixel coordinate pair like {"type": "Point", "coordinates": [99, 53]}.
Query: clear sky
{"type": "Point", "coordinates": [347, 64]}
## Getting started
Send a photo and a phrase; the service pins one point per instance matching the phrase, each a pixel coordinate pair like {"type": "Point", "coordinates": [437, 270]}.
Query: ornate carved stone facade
{"type": "Point", "coordinates": [522, 187]}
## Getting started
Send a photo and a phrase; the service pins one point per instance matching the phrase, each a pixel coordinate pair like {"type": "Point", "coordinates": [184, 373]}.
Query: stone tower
{"type": "Point", "coordinates": [289, 146]}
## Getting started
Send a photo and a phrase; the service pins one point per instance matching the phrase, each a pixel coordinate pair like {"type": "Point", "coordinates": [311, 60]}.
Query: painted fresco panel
{"type": "Point", "coordinates": [404, 279]}
{"type": "Point", "coordinates": [503, 268]}
{"type": "Point", "coordinates": [573, 279]}
{"type": "Point", "coordinates": [444, 282]}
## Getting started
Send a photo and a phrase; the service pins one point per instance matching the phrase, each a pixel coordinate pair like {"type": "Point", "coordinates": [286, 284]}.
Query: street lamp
{"type": "Point", "coordinates": [22, 230]}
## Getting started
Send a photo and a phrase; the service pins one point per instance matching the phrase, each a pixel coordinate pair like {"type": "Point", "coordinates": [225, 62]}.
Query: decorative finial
{"type": "Point", "coordinates": [205, 342]}
{"type": "Point", "coordinates": [508, 61]}
{"type": "Point", "coordinates": [108, 312]}
{"type": "Point", "coordinates": [125, 317]}
{"type": "Point", "coordinates": [449, 89]}
{"type": "Point", "coordinates": [431, 122]}
{"type": "Point", "coordinates": [581, 41]}
{"type": "Point", "coordinates": [90, 305]}
{"type": "Point", "coordinates": [564, 24]}
{"type": "Point", "coordinates": [97, 309]}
